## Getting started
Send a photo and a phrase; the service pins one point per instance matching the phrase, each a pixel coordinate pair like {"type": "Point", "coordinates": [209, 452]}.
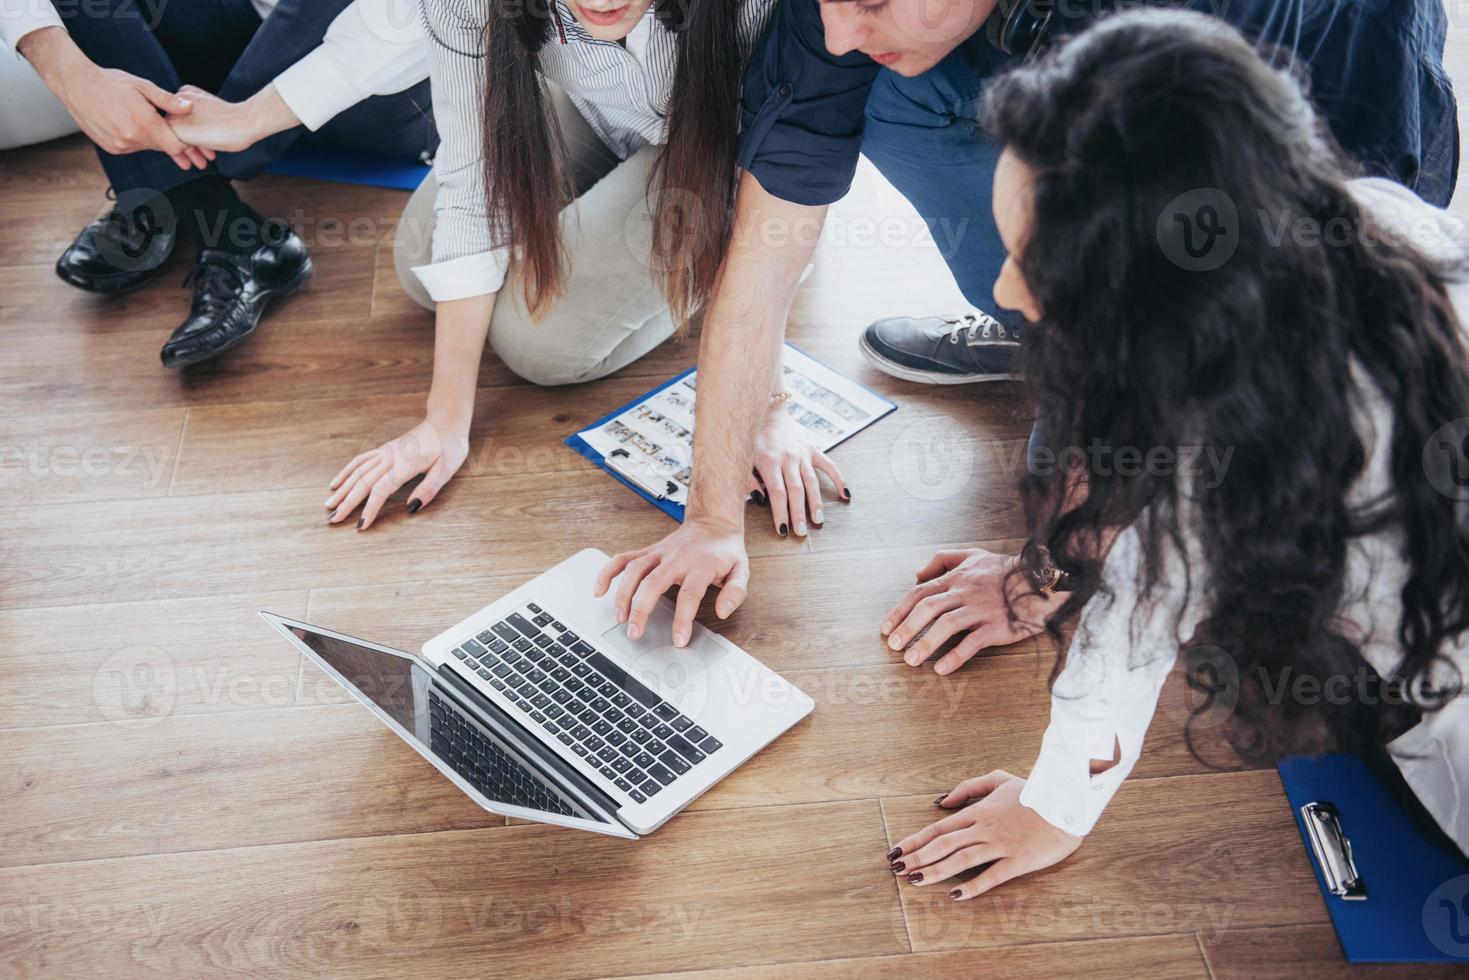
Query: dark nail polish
{"type": "Point", "coordinates": [956, 893]}
{"type": "Point", "coordinates": [897, 866]}
{"type": "Point", "coordinates": [895, 853]}
{"type": "Point", "coordinates": [360, 521]}
{"type": "Point", "coordinates": [916, 877]}
{"type": "Point", "coordinates": [414, 505]}
{"type": "Point", "coordinates": [759, 499]}
{"type": "Point", "coordinates": [784, 530]}
{"type": "Point", "coordinates": [939, 801]}
{"type": "Point", "coordinates": [846, 494]}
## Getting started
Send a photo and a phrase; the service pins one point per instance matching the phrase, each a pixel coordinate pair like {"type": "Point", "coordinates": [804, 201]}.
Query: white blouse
{"type": "Point", "coordinates": [1118, 662]}
{"type": "Point", "coordinates": [621, 89]}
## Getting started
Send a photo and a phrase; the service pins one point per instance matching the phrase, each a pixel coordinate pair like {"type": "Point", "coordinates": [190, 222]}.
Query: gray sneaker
{"type": "Point", "coordinates": [939, 350]}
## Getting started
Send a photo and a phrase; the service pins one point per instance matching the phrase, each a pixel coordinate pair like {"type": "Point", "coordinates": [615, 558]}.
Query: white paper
{"type": "Point", "coordinates": [653, 441]}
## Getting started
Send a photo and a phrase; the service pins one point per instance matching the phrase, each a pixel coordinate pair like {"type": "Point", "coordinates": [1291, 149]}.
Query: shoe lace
{"type": "Point", "coordinates": [216, 282]}
{"type": "Point", "coordinates": [975, 327]}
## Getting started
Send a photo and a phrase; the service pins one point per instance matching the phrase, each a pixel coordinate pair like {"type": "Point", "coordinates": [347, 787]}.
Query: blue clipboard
{"type": "Point", "coordinates": [1416, 903]}
{"type": "Point", "coordinates": [350, 167]}
{"type": "Point", "coordinates": [673, 508]}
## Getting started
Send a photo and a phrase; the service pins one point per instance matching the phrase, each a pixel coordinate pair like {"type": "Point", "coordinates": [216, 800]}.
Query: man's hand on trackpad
{"type": "Point", "coordinates": [695, 557]}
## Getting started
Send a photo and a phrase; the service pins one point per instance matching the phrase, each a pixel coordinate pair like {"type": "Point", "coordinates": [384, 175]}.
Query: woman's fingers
{"type": "Point", "coordinates": [940, 848]}
{"type": "Point", "coordinates": [366, 466]}
{"type": "Point", "coordinates": [996, 874]}
{"type": "Point", "coordinates": [823, 463]}
{"type": "Point", "coordinates": [973, 789]}
{"type": "Point", "coordinates": [813, 493]}
{"type": "Point", "coordinates": [775, 486]}
{"type": "Point", "coordinates": [382, 488]}
{"type": "Point", "coordinates": [903, 851]}
{"type": "Point", "coordinates": [428, 488]}
{"type": "Point", "coordinates": [943, 629]}
{"type": "Point", "coordinates": [959, 861]}
{"type": "Point", "coordinates": [361, 485]}
{"type": "Point", "coordinates": [795, 497]}
{"type": "Point", "coordinates": [351, 466]}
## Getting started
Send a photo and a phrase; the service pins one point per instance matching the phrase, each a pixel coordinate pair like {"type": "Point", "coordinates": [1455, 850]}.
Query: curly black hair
{"type": "Point", "coordinates": [1144, 345]}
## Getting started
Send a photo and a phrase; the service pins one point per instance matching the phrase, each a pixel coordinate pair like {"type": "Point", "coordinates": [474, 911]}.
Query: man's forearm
{"type": "Point", "coordinates": [739, 353]}
{"type": "Point", "coordinates": [51, 52]}
{"type": "Point", "coordinates": [460, 329]}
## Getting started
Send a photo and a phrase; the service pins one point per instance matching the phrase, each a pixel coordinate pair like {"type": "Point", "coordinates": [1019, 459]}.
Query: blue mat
{"type": "Point", "coordinates": [349, 167]}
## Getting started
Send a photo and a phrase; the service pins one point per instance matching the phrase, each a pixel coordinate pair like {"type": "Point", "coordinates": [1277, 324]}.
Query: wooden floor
{"type": "Point", "coordinates": [183, 797]}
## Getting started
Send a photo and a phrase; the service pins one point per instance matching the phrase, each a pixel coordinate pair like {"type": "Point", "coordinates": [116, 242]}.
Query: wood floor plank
{"type": "Point", "coordinates": [709, 889]}
{"type": "Point", "coordinates": [1304, 953]}
{"type": "Point", "coordinates": [193, 544]}
{"type": "Point", "coordinates": [145, 661]}
{"type": "Point", "coordinates": [89, 456]}
{"type": "Point", "coordinates": [192, 782]}
{"type": "Point", "coordinates": [1153, 957]}
{"type": "Point", "coordinates": [1206, 854]}
{"type": "Point", "coordinates": [273, 445]}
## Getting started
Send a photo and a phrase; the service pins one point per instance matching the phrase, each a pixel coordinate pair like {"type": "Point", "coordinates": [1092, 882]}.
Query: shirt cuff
{"type": "Point", "coordinates": [22, 17]}
{"type": "Point", "coordinates": [461, 278]}
{"type": "Point", "coordinates": [316, 90]}
{"type": "Point", "coordinates": [1062, 789]}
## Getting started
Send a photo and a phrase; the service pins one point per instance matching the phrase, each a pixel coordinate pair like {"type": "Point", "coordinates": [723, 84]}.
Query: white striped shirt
{"type": "Point", "coordinates": [621, 90]}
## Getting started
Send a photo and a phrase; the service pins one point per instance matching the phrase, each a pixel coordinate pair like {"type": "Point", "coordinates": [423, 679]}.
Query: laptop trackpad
{"type": "Point", "coordinates": [675, 672]}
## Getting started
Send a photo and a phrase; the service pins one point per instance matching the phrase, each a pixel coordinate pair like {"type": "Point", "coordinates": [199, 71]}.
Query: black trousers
{"type": "Point", "coordinates": [224, 47]}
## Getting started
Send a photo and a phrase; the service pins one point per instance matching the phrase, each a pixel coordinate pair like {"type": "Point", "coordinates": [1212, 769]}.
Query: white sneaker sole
{"type": "Point", "coordinates": [887, 366]}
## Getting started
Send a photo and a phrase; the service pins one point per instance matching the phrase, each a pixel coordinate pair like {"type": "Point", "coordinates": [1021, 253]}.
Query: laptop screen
{"type": "Point", "coordinates": [425, 713]}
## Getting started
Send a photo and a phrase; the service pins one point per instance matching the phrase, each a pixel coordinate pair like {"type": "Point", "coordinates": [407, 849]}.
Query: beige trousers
{"type": "Point", "coordinates": [611, 313]}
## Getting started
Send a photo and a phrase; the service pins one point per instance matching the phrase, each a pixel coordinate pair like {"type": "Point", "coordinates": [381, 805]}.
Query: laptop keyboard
{"type": "Point", "coordinates": [635, 739]}
{"type": "Point", "coordinates": [489, 768]}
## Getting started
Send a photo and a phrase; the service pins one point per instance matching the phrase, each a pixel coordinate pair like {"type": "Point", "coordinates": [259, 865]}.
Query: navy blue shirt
{"type": "Point", "coordinates": [1375, 70]}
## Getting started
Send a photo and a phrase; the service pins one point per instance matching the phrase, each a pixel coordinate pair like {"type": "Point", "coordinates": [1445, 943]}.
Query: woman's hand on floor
{"type": "Point", "coordinates": [436, 451]}
{"type": "Point", "coordinates": [997, 830]}
{"type": "Point", "coordinates": [964, 592]}
{"type": "Point", "coordinates": [785, 474]}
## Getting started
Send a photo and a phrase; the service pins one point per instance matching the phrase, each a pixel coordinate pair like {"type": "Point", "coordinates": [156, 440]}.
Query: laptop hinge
{"type": "Point", "coordinates": [476, 701]}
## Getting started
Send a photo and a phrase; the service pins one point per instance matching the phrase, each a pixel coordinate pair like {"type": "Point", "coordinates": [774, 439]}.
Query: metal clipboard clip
{"type": "Point", "coordinates": [621, 461]}
{"type": "Point", "coordinates": [1333, 850]}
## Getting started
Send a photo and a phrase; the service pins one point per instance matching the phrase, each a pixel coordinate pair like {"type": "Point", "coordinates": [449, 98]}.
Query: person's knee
{"type": "Point", "coordinates": [529, 349]}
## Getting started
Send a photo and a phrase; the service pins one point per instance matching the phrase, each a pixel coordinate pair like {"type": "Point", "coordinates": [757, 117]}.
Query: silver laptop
{"type": "Point", "coordinates": [540, 707]}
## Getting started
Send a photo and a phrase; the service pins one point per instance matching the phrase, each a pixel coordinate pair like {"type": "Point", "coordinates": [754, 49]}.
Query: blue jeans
{"type": "Point", "coordinates": [1376, 76]}
{"type": "Point", "coordinates": [224, 47]}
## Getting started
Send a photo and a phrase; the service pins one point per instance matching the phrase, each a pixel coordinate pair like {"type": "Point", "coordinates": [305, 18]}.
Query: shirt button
{"type": "Point", "coordinates": [1069, 821]}
{"type": "Point", "coordinates": [783, 90]}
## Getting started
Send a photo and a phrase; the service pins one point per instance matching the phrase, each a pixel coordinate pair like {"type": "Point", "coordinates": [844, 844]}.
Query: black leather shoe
{"type": "Point", "coordinates": [231, 292]}
{"type": "Point", "coordinates": [120, 251]}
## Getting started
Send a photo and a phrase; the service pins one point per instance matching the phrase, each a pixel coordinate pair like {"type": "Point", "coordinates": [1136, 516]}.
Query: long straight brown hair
{"type": "Point", "coordinates": [692, 185]}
